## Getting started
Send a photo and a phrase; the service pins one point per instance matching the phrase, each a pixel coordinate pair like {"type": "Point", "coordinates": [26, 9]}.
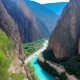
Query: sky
{"type": "Point", "coordinates": [49, 1]}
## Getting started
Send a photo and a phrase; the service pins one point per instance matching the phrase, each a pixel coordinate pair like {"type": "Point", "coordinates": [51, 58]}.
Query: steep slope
{"type": "Point", "coordinates": [23, 17]}
{"type": "Point", "coordinates": [48, 17]}
{"type": "Point", "coordinates": [12, 65]}
{"type": "Point", "coordinates": [43, 29]}
{"type": "Point", "coordinates": [10, 45]}
{"type": "Point", "coordinates": [64, 40]}
{"type": "Point", "coordinates": [56, 7]}
{"type": "Point", "coordinates": [8, 25]}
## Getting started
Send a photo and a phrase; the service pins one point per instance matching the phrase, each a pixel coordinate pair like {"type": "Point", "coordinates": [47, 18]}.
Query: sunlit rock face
{"type": "Point", "coordinates": [8, 25]}
{"type": "Point", "coordinates": [64, 41]}
{"type": "Point", "coordinates": [27, 25]}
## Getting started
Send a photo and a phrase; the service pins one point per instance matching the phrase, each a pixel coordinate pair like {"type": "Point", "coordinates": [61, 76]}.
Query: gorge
{"type": "Point", "coordinates": [39, 43]}
{"type": "Point", "coordinates": [62, 55]}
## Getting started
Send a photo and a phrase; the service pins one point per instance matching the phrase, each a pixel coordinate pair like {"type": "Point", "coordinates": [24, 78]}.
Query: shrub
{"type": "Point", "coordinates": [63, 76]}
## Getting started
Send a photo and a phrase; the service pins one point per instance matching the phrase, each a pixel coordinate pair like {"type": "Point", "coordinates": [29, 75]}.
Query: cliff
{"type": "Point", "coordinates": [27, 25]}
{"type": "Point", "coordinates": [12, 65]}
{"type": "Point", "coordinates": [10, 45]}
{"type": "Point", "coordinates": [8, 25]}
{"type": "Point", "coordinates": [64, 40]}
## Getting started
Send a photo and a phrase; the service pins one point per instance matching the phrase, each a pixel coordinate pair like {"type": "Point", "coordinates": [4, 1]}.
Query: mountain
{"type": "Point", "coordinates": [56, 7]}
{"type": "Point", "coordinates": [64, 40]}
{"type": "Point", "coordinates": [27, 25]}
{"type": "Point", "coordinates": [62, 55]}
{"type": "Point", "coordinates": [48, 17]}
{"type": "Point", "coordinates": [10, 45]}
{"type": "Point", "coordinates": [8, 25]}
{"type": "Point", "coordinates": [12, 64]}
{"type": "Point", "coordinates": [43, 29]}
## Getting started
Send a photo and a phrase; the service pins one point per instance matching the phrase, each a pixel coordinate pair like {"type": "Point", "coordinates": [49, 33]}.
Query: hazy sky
{"type": "Point", "coordinates": [49, 1]}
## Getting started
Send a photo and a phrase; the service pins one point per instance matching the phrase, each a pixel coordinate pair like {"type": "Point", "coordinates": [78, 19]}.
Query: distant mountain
{"type": "Point", "coordinates": [27, 25]}
{"type": "Point", "coordinates": [43, 29]}
{"type": "Point", "coordinates": [48, 17]}
{"type": "Point", "coordinates": [56, 7]}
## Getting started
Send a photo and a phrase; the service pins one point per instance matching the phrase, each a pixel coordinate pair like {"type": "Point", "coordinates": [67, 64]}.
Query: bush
{"type": "Point", "coordinates": [63, 76]}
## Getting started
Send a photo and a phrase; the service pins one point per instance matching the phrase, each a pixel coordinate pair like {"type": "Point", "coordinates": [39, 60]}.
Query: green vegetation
{"type": "Point", "coordinates": [63, 76]}
{"type": "Point", "coordinates": [49, 55]}
{"type": "Point", "coordinates": [17, 76]}
{"type": "Point", "coordinates": [72, 66]}
{"type": "Point", "coordinates": [31, 72]}
{"type": "Point", "coordinates": [4, 64]}
{"type": "Point", "coordinates": [6, 56]}
{"type": "Point", "coordinates": [52, 71]}
{"type": "Point", "coordinates": [31, 47]}
{"type": "Point", "coordinates": [5, 42]}
{"type": "Point", "coordinates": [5, 49]}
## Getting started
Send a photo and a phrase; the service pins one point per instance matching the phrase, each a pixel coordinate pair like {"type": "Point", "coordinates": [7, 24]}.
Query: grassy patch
{"type": "Point", "coordinates": [17, 76]}
{"type": "Point", "coordinates": [5, 50]}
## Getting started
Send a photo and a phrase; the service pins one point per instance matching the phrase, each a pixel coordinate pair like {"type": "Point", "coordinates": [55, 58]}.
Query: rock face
{"type": "Point", "coordinates": [28, 28]}
{"type": "Point", "coordinates": [64, 41]}
{"type": "Point", "coordinates": [8, 25]}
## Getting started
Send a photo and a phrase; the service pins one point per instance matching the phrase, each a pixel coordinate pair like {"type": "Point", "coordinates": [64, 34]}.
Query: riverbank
{"type": "Point", "coordinates": [39, 71]}
{"type": "Point", "coordinates": [55, 69]}
{"type": "Point", "coordinates": [41, 74]}
{"type": "Point", "coordinates": [37, 53]}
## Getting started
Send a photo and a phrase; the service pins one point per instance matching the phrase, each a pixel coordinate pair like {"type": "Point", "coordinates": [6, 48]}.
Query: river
{"type": "Point", "coordinates": [41, 74]}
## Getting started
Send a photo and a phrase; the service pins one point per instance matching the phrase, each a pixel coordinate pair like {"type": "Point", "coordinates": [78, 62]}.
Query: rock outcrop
{"type": "Point", "coordinates": [64, 41]}
{"type": "Point", "coordinates": [27, 25]}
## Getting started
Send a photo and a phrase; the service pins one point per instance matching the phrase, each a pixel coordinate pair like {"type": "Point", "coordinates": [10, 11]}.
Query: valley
{"type": "Point", "coordinates": [39, 41]}
{"type": "Point", "coordinates": [32, 60]}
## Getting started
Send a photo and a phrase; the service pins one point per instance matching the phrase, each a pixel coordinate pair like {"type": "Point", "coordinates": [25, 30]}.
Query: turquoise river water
{"type": "Point", "coordinates": [41, 74]}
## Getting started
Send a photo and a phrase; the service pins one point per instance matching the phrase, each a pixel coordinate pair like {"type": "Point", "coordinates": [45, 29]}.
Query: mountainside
{"type": "Point", "coordinates": [43, 29]}
{"type": "Point", "coordinates": [27, 25]}
{"type": "Point", "coordinates": [56, 7]}
{"type": "Point", "coordinates": [64, 41]}
{"type": "Point", "coordinates": [10, 46]}
{"type": "Point", "coordinates": [48, 17]}
{"type": "Point", "coordinates": [8, 25]}
{"type": "Point", "coordinates": [12, 66]}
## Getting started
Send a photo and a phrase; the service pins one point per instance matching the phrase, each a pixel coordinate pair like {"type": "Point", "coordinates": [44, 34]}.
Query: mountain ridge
{"type": "Point", "coordinates": [45, 15]}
